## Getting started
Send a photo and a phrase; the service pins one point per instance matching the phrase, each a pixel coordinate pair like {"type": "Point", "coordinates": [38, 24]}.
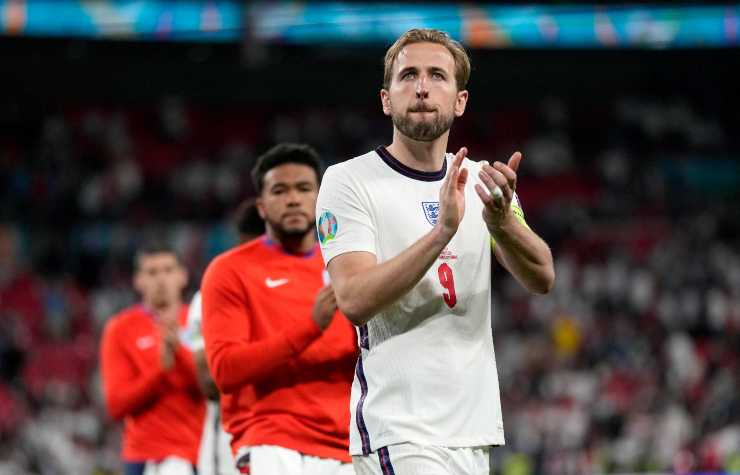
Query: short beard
{"type": "Point", "coordinates": [161, 302]}
{"type": "Point", "coordinates": [422, 131]}
{"type": "Point", "coordinates": [286, 235]}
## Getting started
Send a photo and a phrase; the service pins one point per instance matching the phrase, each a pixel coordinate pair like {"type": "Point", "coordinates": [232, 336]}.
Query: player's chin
{"type": "Point", "coordinates": [163, 299]}
{"type": "Point", "coordinates": [294, 226]}
{"type": "Point", "coordinates": [422, 117]}
{"type": "Point", "coordinates": [295, 220]}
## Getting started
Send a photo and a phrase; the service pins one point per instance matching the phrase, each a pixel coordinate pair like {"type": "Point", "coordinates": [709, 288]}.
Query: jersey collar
{"type": "Point", "coordinates": [393, 162]}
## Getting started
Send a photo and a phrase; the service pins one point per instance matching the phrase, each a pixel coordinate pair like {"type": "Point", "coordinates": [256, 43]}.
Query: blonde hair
{"type": "Point", "coordinates": [428, 35]}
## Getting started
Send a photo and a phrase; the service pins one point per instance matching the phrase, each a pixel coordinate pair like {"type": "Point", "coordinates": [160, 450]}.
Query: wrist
{"type": "Point", "coordinates": [166, 360]}
{"type": "Point", "coordinates": [502, 229]}
{"type": "Point", "coordinates": [441, 236]}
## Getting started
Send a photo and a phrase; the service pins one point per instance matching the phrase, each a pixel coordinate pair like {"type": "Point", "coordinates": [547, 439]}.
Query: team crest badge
{"type": "Point", "coordinates": [327, 227]}
{"type": "Point", "coordinates": [431, 211]}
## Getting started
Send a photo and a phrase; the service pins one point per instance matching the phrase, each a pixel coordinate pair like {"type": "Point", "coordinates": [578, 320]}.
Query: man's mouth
{"type": "Point", "coordinates": [422, 108]}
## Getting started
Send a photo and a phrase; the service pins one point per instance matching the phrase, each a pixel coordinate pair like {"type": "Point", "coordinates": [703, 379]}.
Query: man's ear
{"type": "Point", "coordinates": [385, 100]}
{"type": "Point", "coordinates": [461, 102]}
{"type": "Point", "coordinates": [260, 207]}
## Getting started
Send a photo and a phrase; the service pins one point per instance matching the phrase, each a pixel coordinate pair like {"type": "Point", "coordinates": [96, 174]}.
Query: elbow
{"type": "Point", "coordinates": [219, 376]}
{"type": "Point", "coordinates": [116, 410]}
{"type": "Point", "coordinates": [544, 282]}
{"type": "Point", "coordinates": [353, 310]}
{"type": "Point", "coordinates": [222, 383]}
{"type": "Point", "coordinates": [225, 387]}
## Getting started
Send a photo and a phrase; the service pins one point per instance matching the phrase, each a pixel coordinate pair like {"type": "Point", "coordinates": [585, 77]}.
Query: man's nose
{"type": "Point", "coordinates": [294, 197]}
{"type": "Point", "coordinates": [421, 88]}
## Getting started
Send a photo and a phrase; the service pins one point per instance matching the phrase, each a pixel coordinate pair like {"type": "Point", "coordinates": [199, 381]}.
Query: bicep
{"type": "Point", "coordinates": [115, 365]}
{"type": "Point", "coordinates": [225, 312]}
{"type": "Point", "coordinates": [223, 304]}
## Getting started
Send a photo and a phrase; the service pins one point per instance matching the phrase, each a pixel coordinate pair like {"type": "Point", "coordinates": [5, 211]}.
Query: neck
{"type": "Point", "coordinates": [293, 243]}
{"type": "Point", "coordinates": [422, 156]}
{"type": "Point", "coordinates": [164, 312]}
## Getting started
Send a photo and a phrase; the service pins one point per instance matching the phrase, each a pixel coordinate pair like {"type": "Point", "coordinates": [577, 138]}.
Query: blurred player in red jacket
{"type": "Point", "coordinates": [149, 378]}
{"type": "Point", "coordinates": [278, 350]}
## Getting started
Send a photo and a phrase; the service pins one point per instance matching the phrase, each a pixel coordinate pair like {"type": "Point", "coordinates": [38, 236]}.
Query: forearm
{"type": "Point", "coordinates": [361, 295]}
{"type": "Point", "coordinates": [238, 363]}
{"type": "Point", "coordinates": [124, 398]}
{"type": "Point", "coordinates": [526, 256]}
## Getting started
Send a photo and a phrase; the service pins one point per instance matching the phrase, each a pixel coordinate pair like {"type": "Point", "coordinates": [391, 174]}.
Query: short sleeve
{"type": "Point", "coordinates": [192, 335]}
{"type": "Point", "coordinates": [344, 223]}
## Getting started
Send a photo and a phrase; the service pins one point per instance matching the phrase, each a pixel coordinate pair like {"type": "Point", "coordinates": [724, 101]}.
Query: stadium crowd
{"type": "Point", "coordinates": [631, 364]}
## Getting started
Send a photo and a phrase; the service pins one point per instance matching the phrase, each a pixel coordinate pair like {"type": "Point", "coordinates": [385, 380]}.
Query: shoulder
{"type": "Point", "coordinates": [360, 163]}
{"type": "Point", "coordinates": [353, 179]}
{"type": "Point", "coordinates": [121, 320]}
{"type": "Point", "coordinates": [235, 257]}
{"type": "Point", "coordinates": [231, 269]}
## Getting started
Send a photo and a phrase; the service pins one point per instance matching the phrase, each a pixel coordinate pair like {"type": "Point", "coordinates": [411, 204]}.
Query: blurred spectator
{"type": "Point", "coordinates": [630, 364]}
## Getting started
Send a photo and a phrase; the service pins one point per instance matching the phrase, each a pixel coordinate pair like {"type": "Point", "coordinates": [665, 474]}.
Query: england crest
{"type": "Point", "coordinates": [431, 211]}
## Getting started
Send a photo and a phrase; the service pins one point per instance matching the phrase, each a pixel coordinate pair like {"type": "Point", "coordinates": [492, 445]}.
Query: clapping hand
{"type": "Point", "coordinates": [452, 195]}
{"type": "Point", "coordinates": [499, 182]}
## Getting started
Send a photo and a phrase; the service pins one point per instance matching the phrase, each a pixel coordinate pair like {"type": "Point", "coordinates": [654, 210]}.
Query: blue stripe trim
{"type": "Point", "coordinates": [385, 461]}
{"type": "Point", "coordinates": [364, 338]}
{"type": "Point", "coordinates": [134, 468]}
{"type": "Point", "coordinates": [364, 435]}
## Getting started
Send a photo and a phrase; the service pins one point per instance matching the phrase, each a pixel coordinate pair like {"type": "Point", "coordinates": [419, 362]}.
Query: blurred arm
{"type": "Point", "coordinates": [234, 359]}
{"type": "Point", "coordinates": [127, 391]}
{"type": "Point", "coordinates": [525, 255]}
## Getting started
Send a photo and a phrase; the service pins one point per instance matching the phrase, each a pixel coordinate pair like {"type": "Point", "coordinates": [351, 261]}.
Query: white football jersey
{"type": "Point", "coordinates": [427, 370]}
{"type": "Point", "coordinates": [192, 335]}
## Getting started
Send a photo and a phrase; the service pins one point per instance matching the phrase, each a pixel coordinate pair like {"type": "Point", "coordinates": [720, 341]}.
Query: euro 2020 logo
{"type": "Point", "coordinates": [327, 227]}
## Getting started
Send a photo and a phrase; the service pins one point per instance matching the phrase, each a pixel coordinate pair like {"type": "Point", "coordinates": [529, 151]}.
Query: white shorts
{"type": "Point", "coordinates": [169, 466]}
{"type": "Point", "coordinates": [214, 455]}
{"type": "Point", "coordinates": [413, 459]}
{"type": "Point", "coordinates": [274, 460]}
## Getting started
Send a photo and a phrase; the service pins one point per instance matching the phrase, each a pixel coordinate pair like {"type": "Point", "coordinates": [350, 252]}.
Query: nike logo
{"type": "Point", "coordinates": [145, 342]}
{"type": "Point", "coordinates": [275, 283]}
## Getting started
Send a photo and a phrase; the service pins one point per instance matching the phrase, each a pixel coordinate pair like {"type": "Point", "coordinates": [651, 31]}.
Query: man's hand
{"type": "Point", "coordinates": [170, 339]}
{"type": "Point", "coordinates": [500, 184]}
{"type": "Point", "coordinates": [452, 196]}
{"type": "Point", "coordinates": [324, 307]}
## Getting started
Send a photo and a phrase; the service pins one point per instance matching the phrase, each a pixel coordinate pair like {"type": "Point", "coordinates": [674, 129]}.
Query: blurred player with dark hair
{"type": "Point", "coordinates": [247, 221]}
{"type": "Point", "coordinates": [214, 455]}
{"type": "Point", "coordinates": [406, 231]}
{"type": "Point", "coordinates": [277, 348]}
{"type": "Point", "coordinates": [149, 378]}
